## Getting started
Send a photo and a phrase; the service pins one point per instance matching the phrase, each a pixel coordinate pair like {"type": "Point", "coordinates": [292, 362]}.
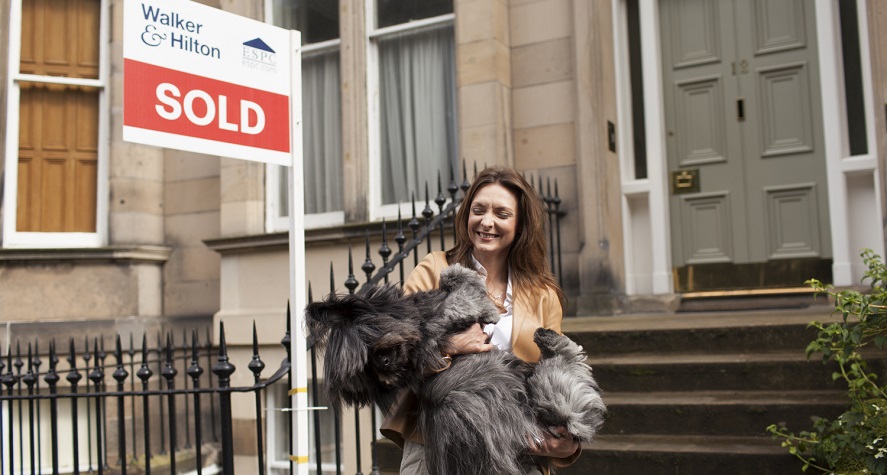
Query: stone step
{"type": "Point", "coordinates": [737, 413]}
{"type": "Point", "coordinates": [717, 372]}
{"type": "Point", "coordinates": [680, 455]}
{"type": "Point", "coordinates": [703, 333]}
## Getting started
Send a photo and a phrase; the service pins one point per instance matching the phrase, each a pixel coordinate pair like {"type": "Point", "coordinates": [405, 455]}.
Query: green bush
{"type": "Point", "coordinates": [855, 442]}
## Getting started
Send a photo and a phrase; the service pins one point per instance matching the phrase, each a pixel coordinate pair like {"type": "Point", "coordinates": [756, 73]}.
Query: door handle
{"type": "Point", "coordinates": [740, 109]}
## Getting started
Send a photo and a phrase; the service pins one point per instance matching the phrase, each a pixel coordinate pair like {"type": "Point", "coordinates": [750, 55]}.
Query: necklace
{"type": "Point", "coordinates": [495, 297]}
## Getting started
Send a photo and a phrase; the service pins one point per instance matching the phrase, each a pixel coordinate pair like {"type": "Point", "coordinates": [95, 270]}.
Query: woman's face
{"type": "Point", "coordinates": [492, 222]}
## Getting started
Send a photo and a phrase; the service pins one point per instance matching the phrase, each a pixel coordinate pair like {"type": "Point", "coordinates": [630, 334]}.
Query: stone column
{"type": "Point", "coordinates": [483, 69]}
{"type": "Point", "coordinates": [355, 133]}
{"type": "Point", "coordinates": [601, 264]}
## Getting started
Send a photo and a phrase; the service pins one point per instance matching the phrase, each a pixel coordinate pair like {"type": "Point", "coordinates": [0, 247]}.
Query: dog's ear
{"type": "Point", "coordinates": [330, 314]}
{"type": "Point", "coordinates": [466, 301]}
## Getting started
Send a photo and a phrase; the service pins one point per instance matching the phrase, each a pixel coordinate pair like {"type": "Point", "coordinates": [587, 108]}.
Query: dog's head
{"type": "Point", "coordinates": [368, 343]}
{"type": "Point", "coordinates": [466, 300]}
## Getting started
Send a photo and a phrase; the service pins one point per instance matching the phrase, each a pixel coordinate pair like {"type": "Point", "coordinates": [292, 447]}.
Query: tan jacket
{"type": "Point", "coordinates": [530, 312]}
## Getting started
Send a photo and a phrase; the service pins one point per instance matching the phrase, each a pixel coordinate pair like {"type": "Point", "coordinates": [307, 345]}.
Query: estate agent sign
{"type": "Point", "coordinates": [204, 80]}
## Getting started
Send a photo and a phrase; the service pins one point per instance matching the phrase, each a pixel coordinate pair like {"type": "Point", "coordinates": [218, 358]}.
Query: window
{"type": "Point", "coordinates": [57, 128]}
{"type": "Point", "coordinates": [414, 131]}
{"type": "Point", "coordinates": [411, 96]}
{"type": "Point", "coordinates": [318, 20]}
{"type": "Point", "coordinates": [854, 94]}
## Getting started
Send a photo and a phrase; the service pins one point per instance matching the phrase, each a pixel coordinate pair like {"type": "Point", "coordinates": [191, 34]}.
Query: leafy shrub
{"type": "Point", "coordinates": [855, 442]}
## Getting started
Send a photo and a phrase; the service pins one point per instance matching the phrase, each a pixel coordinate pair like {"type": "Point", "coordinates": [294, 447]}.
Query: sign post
{"type": "Point", "coordinates": [204, 80]}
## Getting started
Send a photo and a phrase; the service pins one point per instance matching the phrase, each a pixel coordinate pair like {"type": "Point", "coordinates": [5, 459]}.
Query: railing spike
{"type": "Point", "coordinates": [73, 376]}
{"type": "Point", "coordinates": [223, 370]}
{"type": "Point", "coordinates": [384, 250]}
{"type": "Point", "coordinates": [439, 199]}
{"type": "Point", "coordinates": [120, 374]}
{"type": "Point", "coordinates": [144, 373]}
{"type": "Point", "coordinates": [18, 357]}
{"type": "Point", "coordinates": [51, 376]}
{"type": "Point", "coordinates": [195, 370]}
{"type": "Point", "coordinates": [368, 267]}
{"type": "Point", "coordinates": [30, 361]}
{"type": "Point", "coordinates": [350, 282]}
{"type": "Point", "coordinates": [37, 361]}
{"type": "Point", "coordinates": [427, 212]}
{"type": "Point", "coordinates": [223, 347]}
{"type": "Point", "coordinates": [286, 341]}
{"type": "Point", "coordinates": [465, 184]}
{"type": "Point", "coordinates": [53, 353]}
{"type": "Point", "coordinates": [256, 365]}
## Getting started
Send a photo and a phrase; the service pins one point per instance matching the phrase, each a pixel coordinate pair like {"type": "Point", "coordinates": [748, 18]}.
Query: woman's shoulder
{"type": "Point", "coordinates": [537, 292]}
{"type": "Point", "coordinates": [425, 275]}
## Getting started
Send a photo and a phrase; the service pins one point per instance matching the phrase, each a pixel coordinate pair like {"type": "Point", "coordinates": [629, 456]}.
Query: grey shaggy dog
{"type": "Point", "coordinates": [481, 414]}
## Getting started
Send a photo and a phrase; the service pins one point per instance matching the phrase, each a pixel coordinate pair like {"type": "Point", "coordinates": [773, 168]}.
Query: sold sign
{"type": "Point", "coordinates": [173, 102]}
{"type": "Point", "coordinates": [199, 79]}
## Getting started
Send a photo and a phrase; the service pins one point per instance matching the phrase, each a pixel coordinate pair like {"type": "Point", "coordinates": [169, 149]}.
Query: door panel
{"type": "Point", "coordinates": [708, 228]}
{"type": "Point", "coordinates": [784, 102]}
{"type": "Point", "coordinates": [792, 221]}
{"type": "Point", "coordinates": [701, 110]}
{"type": "Point", "coordinates": [743, 111]}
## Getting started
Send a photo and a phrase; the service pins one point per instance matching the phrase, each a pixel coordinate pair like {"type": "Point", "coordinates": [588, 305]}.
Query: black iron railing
{"type": "Point", "coordinates": [431, 230]}
{"type": "Point", "coordinates": [167, 415]}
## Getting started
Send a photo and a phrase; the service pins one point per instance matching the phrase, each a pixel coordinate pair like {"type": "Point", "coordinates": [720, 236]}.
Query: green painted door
{"type": "Point", "coordinates": [748, 198]}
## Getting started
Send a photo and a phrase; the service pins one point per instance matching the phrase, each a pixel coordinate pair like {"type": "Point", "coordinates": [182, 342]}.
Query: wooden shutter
{"type": "Point", "coordinates": [58, 134]}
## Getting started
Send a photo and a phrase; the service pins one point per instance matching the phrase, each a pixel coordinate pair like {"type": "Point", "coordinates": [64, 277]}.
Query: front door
{"type": "Point", "coordinates": [748, 202]}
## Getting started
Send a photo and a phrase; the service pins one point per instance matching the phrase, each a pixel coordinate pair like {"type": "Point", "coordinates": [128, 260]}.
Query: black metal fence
{"type": "Point", "coordinates": [150, 409]}
{"type": "Point", "coordinates": [431, 230]}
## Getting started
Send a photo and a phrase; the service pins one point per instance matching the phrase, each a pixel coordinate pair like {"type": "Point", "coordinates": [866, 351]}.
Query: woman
{"type": "Point", "coordinates": [499, 233]}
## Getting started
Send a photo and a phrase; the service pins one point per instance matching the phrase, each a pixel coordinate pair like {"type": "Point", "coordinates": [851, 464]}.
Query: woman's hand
{"type": "Point", "coordinates": [472, 340]}
{"type": "Point", "coordinates": [555, 442]}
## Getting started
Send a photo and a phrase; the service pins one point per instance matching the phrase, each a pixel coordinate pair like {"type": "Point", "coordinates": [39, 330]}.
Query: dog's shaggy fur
{"type": "Point", "coordinates": [480, 415]}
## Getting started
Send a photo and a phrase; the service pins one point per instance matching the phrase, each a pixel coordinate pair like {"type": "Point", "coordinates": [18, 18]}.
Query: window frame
{"type": "Point", "coordinates": [11, 237]}
{"type": "Point", "coordinates": [273, 221]}
{"type": "Point", "coordinates": [377, 210]}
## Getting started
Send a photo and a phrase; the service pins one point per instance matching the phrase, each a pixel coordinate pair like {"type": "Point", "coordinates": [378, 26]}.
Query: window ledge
{"type": "Point", "coordinates": [344, 234]}
{"type": "Point", "coordinates": [136, 253]}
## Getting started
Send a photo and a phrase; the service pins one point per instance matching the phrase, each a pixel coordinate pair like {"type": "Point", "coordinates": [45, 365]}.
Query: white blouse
{"type": "Point", "coordinates": [501, 331]}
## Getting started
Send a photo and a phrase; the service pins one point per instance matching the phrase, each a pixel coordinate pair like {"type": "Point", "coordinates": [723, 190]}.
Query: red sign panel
{"type": "Point", "coordinates": [165, 100]}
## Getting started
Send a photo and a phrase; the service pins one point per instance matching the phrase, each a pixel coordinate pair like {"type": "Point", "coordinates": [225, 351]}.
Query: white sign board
{"type": "Point", "coordinates": [204, 80]}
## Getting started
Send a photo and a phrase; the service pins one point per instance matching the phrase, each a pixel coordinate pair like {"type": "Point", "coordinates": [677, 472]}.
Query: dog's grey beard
{"type": "Point", "coordinates": [475, 416]}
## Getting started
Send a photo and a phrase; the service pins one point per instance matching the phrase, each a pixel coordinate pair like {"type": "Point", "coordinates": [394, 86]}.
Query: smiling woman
{"type": "Point", "coordinates": [499, 233]}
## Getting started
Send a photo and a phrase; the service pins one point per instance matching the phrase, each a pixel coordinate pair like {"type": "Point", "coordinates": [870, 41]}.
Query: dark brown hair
{"type": "Point", "coordinates": [527, 255]}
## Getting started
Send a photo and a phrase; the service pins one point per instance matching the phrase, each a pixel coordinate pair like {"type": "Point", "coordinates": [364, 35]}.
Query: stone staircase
{"type": "Point", "coordinates": [692, 393]}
